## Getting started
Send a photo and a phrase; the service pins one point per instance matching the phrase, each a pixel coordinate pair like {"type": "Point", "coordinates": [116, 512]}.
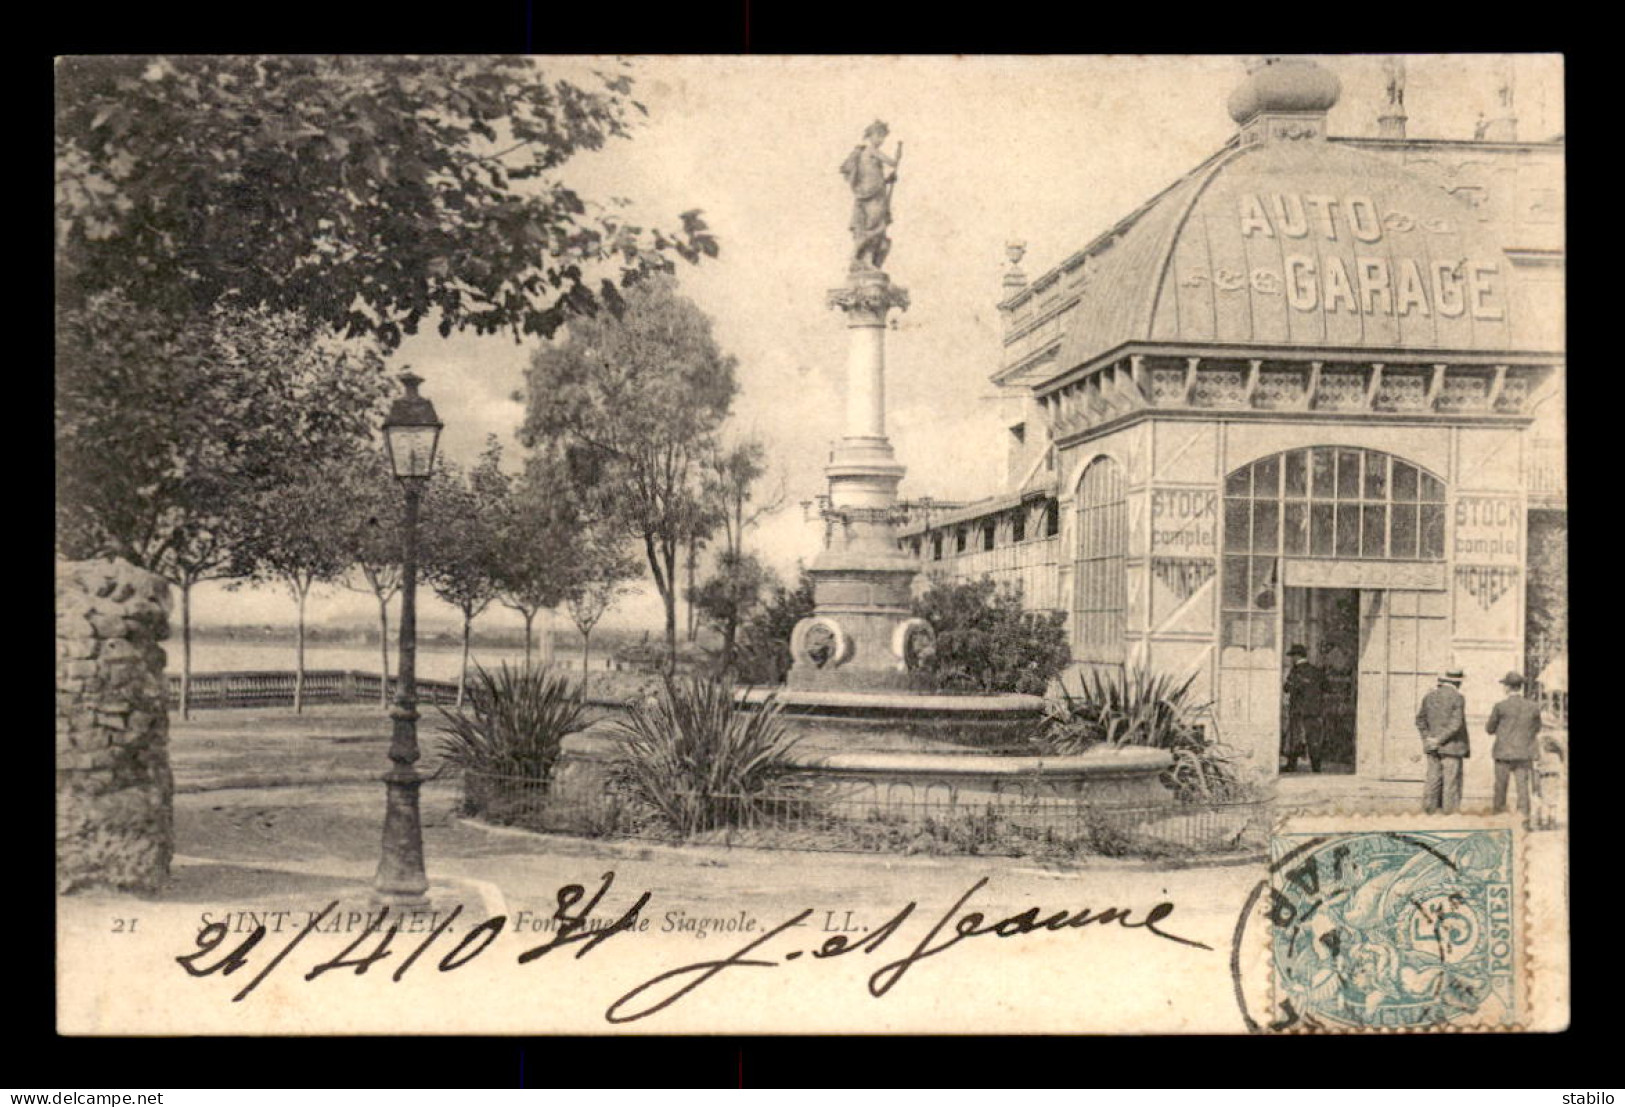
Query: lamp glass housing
{"type": "Point", "coordinates": [411, 449]}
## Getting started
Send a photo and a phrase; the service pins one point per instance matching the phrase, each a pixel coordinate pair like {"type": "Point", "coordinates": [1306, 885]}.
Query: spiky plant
{"type": "Point", "coordinates": [1134, 707]}
{"type": "Point", "coordinates": [513, 725]}
{"type": "Point", "coordinates": [696, 761]}
{"type": "Point", "coordinates": [1123, 707]}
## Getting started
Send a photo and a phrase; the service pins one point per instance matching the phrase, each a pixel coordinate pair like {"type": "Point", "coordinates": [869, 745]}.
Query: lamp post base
{"type": "Point", "coordinates": [401, 879]}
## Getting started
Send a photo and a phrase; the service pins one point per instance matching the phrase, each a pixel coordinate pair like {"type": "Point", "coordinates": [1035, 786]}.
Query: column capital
{"type": "Point", "coordinates": [868, 297]}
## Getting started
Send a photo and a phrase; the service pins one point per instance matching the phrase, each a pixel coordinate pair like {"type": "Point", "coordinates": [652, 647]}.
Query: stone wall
{"type": "Point", "coordinates": [114, 820]}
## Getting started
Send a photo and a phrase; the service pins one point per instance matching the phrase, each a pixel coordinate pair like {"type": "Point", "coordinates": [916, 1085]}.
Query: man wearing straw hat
{"type": "Point", "coordinates": [1515, 722]}
{"type": "Point", "coordinates": [1442, 720]}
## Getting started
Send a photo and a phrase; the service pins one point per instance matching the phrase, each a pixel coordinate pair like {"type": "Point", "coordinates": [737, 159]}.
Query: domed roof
{"type": "Point", "coordinates": [1284, 84]}
{"type": "Point", "coordinates": [1296, 241]}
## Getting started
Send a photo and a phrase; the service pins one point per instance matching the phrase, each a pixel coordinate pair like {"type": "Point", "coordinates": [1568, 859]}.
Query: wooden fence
{"type": "Point", "coordinates": [274, 688]}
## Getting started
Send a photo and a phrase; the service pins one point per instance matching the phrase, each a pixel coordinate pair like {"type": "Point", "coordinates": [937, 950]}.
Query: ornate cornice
{"type": "Point", "coordinates": [876, 297]}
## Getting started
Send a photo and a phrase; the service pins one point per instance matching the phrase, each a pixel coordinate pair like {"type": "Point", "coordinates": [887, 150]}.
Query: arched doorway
{"type": "Point", "coordinates": [1339, 550]}
{"type": "Point", "coordinates": [1099, 583]}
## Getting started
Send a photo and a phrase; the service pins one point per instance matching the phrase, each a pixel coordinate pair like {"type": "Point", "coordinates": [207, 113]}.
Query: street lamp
{"type": "Point", "coordinates": [411, 433]}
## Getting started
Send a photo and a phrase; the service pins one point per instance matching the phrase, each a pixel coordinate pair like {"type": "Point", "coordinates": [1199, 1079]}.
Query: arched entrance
{"type": "Point", "coordinates": [1099, 586]}
{"type": "Point", "coordinates": [1339, 550]}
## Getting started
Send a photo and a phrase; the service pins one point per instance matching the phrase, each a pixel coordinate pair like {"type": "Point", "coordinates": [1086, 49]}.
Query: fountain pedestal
{"type": "Point", "coordinates": [861, 636]}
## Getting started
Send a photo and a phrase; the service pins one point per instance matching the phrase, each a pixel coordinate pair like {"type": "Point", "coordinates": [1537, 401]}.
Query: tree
{"type": "Point", "coordinates": [534, 533]}
{"type": "Point", "coordinates": [370, 531]}
{"type": "Point", "coordinates": [168, 428]}
{"type": "Point", "coordinates": [764, 641]}
{"type": "Point", "coordinates": [730, 478]}
{"type": "Point", "coordinates": [634, 402]}
{"type": "Point", "coordinates": [596, 579]}
{"type": "Point", "coordinates": [296, 539]}
{"type": "Point", "coordinates": [461, 518]}
{"type": "Point", "coordinates": [733, 591]}
{"type": "Point", "coordinates": [368, 192]}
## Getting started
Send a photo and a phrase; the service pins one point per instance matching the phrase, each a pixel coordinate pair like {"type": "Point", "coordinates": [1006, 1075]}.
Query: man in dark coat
{"type": "Point", "coordinates": [1305, 690]}
{"type": "Point", "coordinates": [1515, 722]}
{"type": "Point", "coordinates": [1442, 721]}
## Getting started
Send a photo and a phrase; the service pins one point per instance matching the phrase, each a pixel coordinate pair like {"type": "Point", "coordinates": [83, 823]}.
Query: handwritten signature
{"type": "Point", "coordinates": [660, 992]}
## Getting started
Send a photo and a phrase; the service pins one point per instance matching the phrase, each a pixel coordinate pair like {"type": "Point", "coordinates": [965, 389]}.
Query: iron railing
{"type": "Point", "coordinates": [831, 817]}
{"type": "Point", "coordinates": [272, 688]}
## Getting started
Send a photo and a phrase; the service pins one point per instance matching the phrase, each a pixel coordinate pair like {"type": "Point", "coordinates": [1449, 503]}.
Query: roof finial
{"type": "Point", "coordinates": [1501, 125]}
{"type": "Point", "coordinates": [1014, 279]}
{"type": "Point", "coordinates": [1299, 88]}
{"type": "Point", "coordinates": [1391, 123]}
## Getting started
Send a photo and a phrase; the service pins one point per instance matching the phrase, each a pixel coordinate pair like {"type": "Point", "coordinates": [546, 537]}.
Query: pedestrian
{"type": "Point", "coordinates": [1305, 692]}
{"type": "Point", "coordinates": [1442, 720]}
{"type": "Point", "coordinates": [1515, 722]}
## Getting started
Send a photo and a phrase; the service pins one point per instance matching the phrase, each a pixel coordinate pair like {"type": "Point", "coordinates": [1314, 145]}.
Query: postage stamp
{"type": "Point", "coordinates": [1398, 924]}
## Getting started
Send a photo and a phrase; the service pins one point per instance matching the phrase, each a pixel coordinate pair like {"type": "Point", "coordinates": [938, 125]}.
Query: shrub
{"type": "Point", "coordinates": [1133, 707]}
{"type": "Point", "coordinates": [763, 652]}
{"type": "Point", "coordinates": [987, 643]}
{"type": "Point", "coordinates": [687, 755]}
{"type": "Point", "coordinates": [514, 725]}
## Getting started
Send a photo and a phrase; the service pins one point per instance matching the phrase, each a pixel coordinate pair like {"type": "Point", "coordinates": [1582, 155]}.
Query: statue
{"type": "Point", "coordinates": [1394, 67]}
{"type": "Point", "coordinates": [871, 174]}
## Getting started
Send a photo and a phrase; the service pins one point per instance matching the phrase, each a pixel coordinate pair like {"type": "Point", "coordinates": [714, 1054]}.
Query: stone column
{"type": "Point", "coordinates": [114, 792]}
{"type": "Point", "coordinates": [860, 635]}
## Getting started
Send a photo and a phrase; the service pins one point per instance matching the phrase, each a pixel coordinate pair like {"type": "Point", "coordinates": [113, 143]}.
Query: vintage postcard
{"type": "Point", "coordinates": [800, 545]}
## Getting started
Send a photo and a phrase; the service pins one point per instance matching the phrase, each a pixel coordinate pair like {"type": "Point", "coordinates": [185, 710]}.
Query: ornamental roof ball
{"type": "Point", "coordinates": [1285, 84]}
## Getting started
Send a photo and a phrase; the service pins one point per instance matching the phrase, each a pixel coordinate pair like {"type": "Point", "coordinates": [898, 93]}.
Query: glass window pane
{"type": "Point", "coordinates": [1432, 530]}
{"type": "Point", "coordinates": [1405, 477]}
{"type": "Point", "coordinates": [1297, 473]}
{"type": "Point", "coordinates": [1239, 483]}
{"type": "Point", "coordinates": [1267, 478]}
{"type": "Point", "coordinates": [1295, 538]}
{"type": "Point", "coordinates": [1376, 476]}
{"type": "Point", "coordinates": [1266, 526]}
{"type": "Point", "coordinates": [1403, 540]}
{"type": "Point", "coordinates": [1321, 465]}
{"type": "Point", "coordinates": [1348, 530]}
{"type": "Point", "coordinates": [1262, 584]}
{"type": "Point", "coordinates": [1374, 531]}
{"type": "Point", "coordinates": [1348, 474]}
{"type": "Point", "coordinates": [1235, 526]}
{"type": "Point", "coordinates": [1235, 583]}
{"type": "Point", "coordinates": [1263, 632]}
{"type": "Point", "coordinates": [1320, 529]}
{"type": "Point", "coordinates": [1235, 628]}
{"type": "Point", "coordinates": [1432, 489]}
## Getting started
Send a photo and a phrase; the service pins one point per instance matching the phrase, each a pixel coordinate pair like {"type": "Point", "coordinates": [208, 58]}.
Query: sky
{"type": "Point", "coordinates": [1047, 150]}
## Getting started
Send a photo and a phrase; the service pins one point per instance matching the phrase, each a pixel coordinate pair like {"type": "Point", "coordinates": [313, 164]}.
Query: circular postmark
{"type": "Point", "coordinates": [1385, 930]}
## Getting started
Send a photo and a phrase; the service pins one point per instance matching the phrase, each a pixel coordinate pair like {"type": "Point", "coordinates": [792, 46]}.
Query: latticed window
{"type": "Point", "coordinates": [1100, 586]}
{"type": "Point", "coordinates": [1322, 502]}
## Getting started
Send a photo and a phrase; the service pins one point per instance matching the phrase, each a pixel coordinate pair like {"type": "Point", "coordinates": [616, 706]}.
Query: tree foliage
{"type": "Point", "coordinates": [168, 428]}
{"type": "Point", "coordinates": [728, 597]}
{"type": "Point", "coordinates": [763, 655]}
{"type": "Point", "coordinates": [627, 408]}
{"type": "Point", "coordinates": [987, 642]}
{"type": "Point", "coordinates": [369, 192]}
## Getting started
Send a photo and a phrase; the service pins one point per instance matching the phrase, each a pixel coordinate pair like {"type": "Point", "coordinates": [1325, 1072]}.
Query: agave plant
{"type": "Point", "coordinates": [689, 755]}
{"type": "Point", "coordinates": [1124, 707]}
{"type": "Point", "coordinates": [514, 724]}
{"type": "Point", "coordinates": [1137, 708]}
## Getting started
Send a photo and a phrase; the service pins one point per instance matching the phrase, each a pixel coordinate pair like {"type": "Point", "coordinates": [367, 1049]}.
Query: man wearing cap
{"type": "Point", "coordinates": [1515, 722]}
{"type": "Point", "coordinates": [1305, 690]}
{"type": "Point", "coordinates": [1442, 721]}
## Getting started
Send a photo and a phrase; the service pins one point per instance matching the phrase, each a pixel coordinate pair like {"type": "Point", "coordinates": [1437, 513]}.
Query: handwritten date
{"type": "Point", "coordinates": [661, 992]}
